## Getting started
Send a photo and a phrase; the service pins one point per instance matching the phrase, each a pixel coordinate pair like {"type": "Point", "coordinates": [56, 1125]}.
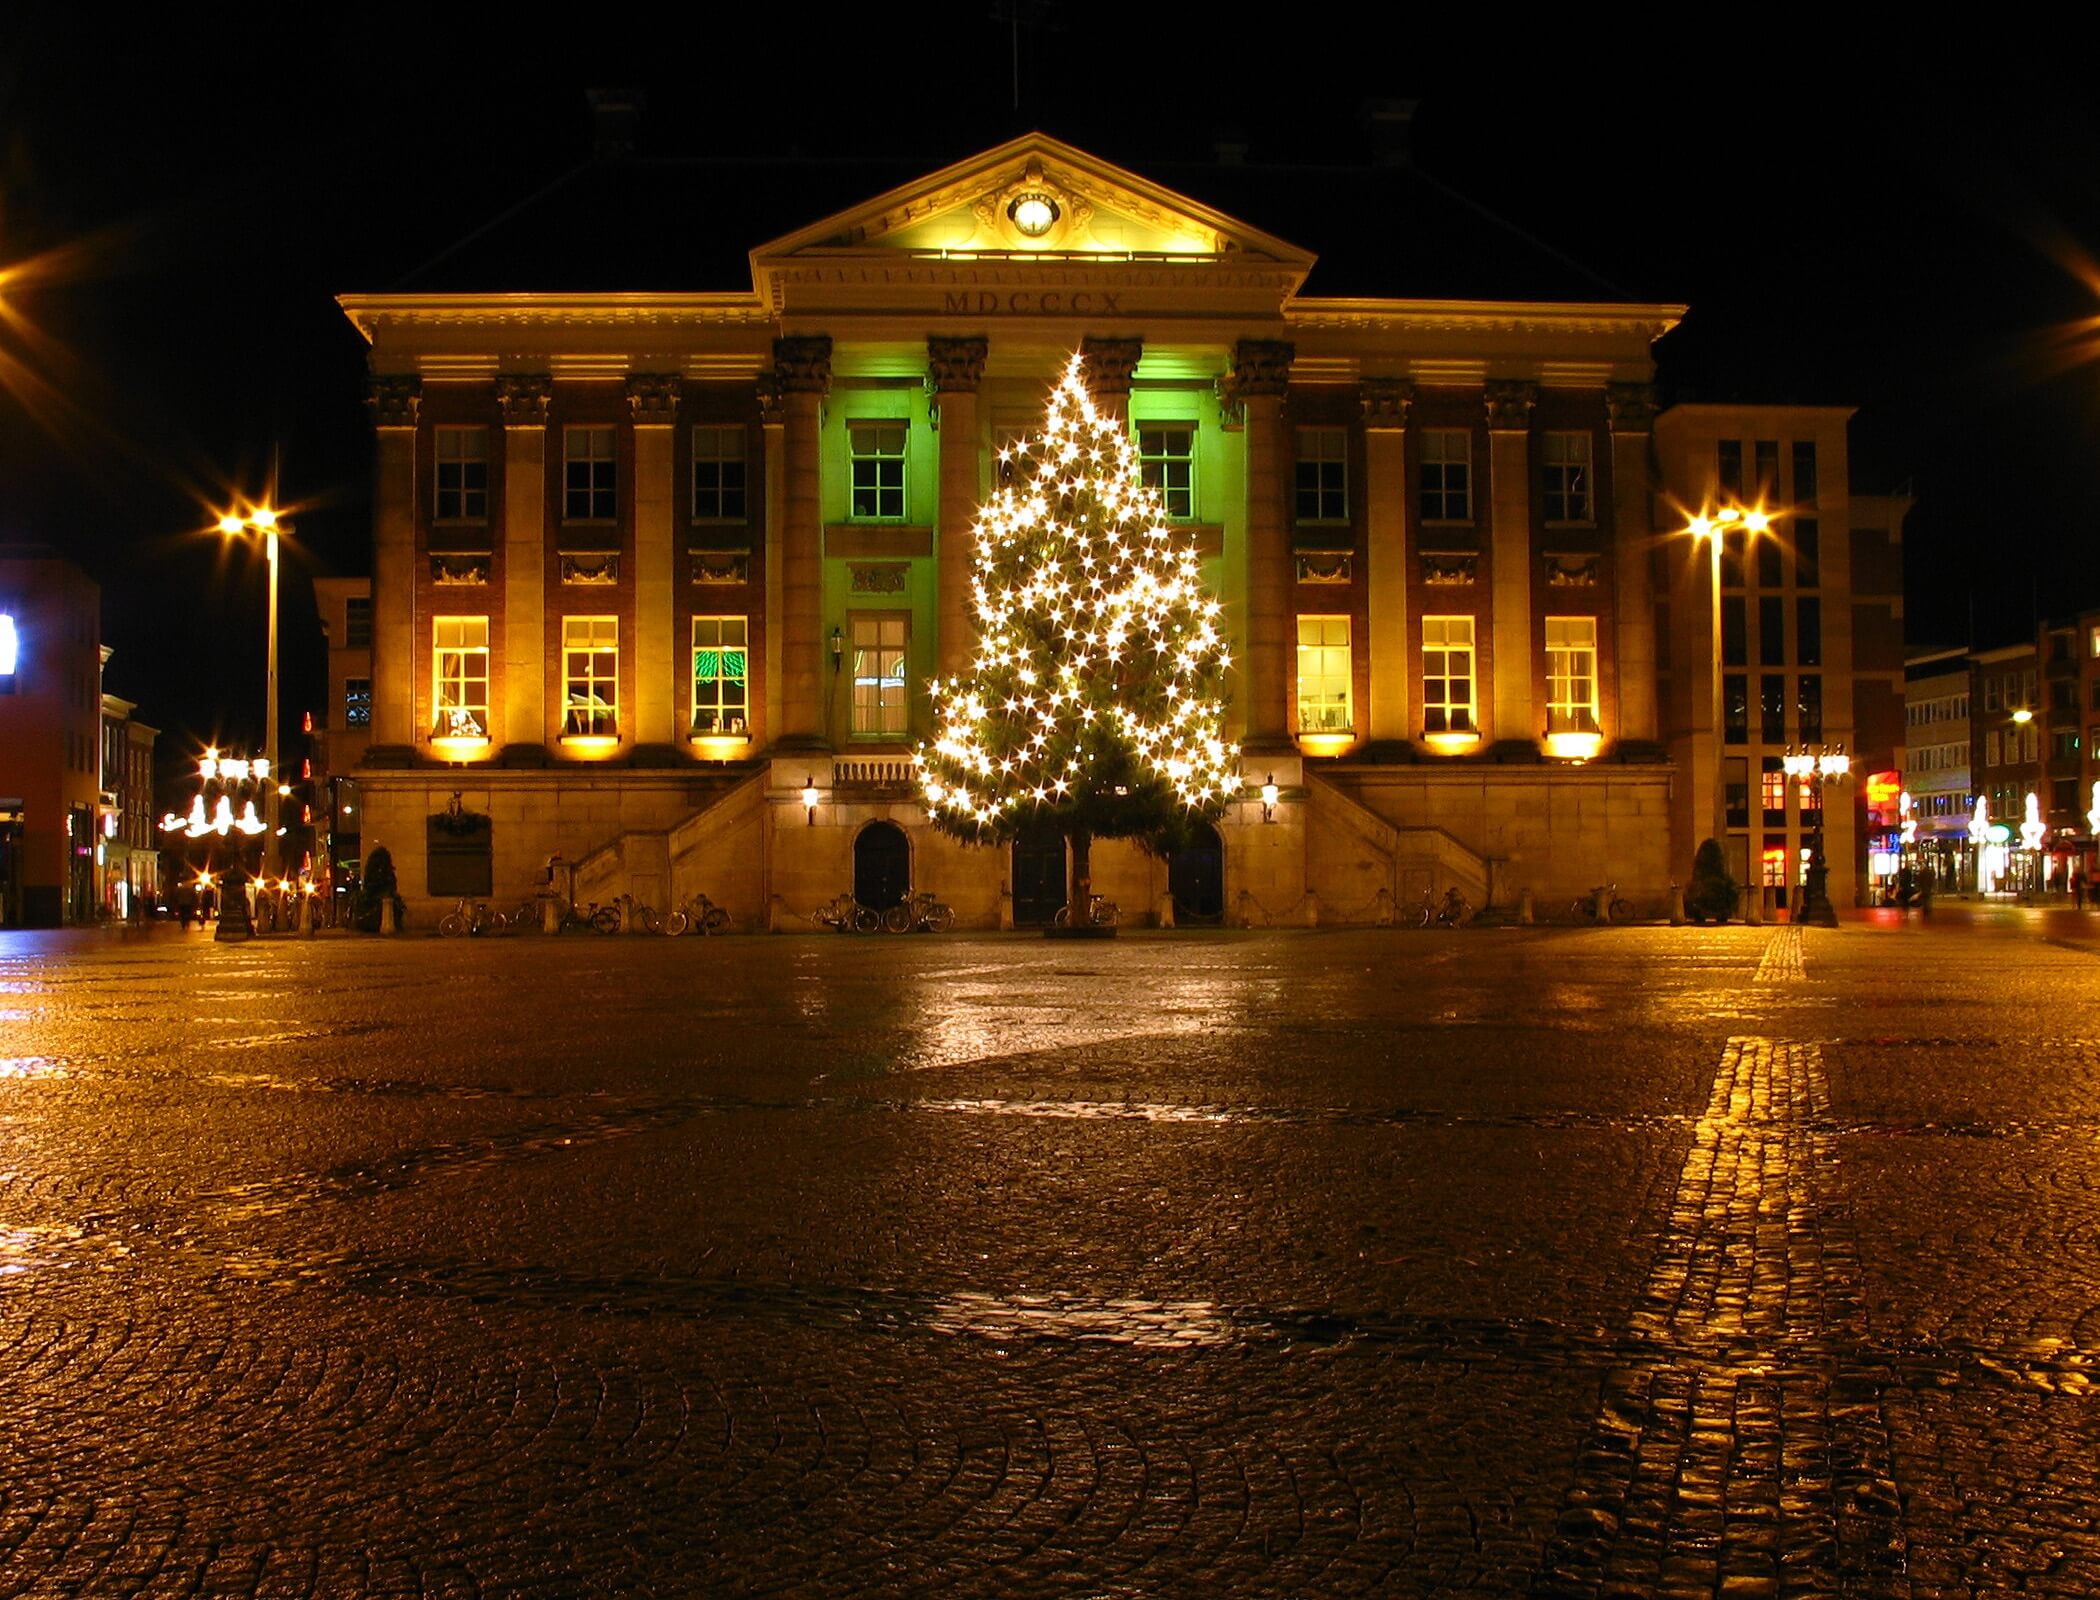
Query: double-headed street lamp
{"type": "Point", "coordinates": [1813, 764]}
{"type": "Point", "coordinates": [262, 521]}
{"type": "Point", "coordinates": [1710, 528]}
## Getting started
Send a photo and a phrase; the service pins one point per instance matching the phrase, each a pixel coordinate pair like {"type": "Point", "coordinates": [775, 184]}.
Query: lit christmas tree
{"type": "Point", "coordinates": [1096, 701]}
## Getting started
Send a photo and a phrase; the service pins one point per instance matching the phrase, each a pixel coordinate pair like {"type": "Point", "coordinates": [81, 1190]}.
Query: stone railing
{"type": "Point", "coordinates": [873, 772]}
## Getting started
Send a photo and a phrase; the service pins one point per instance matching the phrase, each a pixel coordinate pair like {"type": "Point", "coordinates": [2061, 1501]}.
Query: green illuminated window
{"type": "Point", "coordinates": [876, 454]}
{"type": "Point", "coordinates": [721, 674]}
{"type": "Point", "coordinates": [1167, 462]}
{"type": "Point", "coordinates": [718, 475]}
{"type": "Point", "coordinates": [1323, 475]}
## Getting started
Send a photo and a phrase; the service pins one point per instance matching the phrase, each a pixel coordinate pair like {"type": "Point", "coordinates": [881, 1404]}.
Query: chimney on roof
{"type": "Point", "coordinates": [616, 113]}
{"type": "Point", "coordinates": [1389, 127]}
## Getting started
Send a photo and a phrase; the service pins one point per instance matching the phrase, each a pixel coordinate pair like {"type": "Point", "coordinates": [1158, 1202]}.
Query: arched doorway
{"type": "Point", "coordinates": [881, 865]}
{"type": "Point", "coordinates": [1038, 876]}
{"type": "Point", "coordinates": [1196, 876]}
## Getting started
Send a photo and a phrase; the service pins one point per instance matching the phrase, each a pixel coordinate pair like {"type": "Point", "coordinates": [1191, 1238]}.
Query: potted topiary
{"type": "Point", "coordinates": [376, 892]}
{"type": "Point", "coordinates": [1711, 896]}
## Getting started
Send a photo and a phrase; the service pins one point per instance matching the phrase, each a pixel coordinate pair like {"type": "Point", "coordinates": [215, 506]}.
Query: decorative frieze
{"type": "Point", "coordinates": [1632, 406]}
{"type": "Point", "coordinates": [1387, 403]}
{"type": "Point", "coordinates": [454, 571]}
{"type": "Point", "coordinates": [653, 398]}
{"type": "Point", "coordinates": [1325, 566]}
{"type": "Point", "coordinates": [395, 399]}
{"type": "Point", "coordinates": [720, 566]}
{"type": "Point", "coordinates": [802, 364]}
{"type": "Point", "coordinates": [1576, 571]}
{"type": "Point", "coordinates": [593, 566]}
{"type": "Point", "coordinates": [1442, 570]}
{"type": "Point", "coordinates": [888, 578]}
{"type": "Point", "coordinates": [521, 398]}
{"type": "Point", "coordinates": [1509, 403]}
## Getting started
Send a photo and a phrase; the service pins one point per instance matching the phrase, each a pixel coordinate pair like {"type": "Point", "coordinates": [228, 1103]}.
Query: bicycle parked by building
{"type": "Point", "coordinates": [1101, 912]}
{"type": "Point", "coordinates": [919, 913]}
{"type": "Point", "coordinates": [1601, 904]}
{"type": "Point", "coordinates": [703, 916]}
{"type": "Point", "coordinates": [846, 915]}
{"type": "Point", "coordinates": [1454, 910]}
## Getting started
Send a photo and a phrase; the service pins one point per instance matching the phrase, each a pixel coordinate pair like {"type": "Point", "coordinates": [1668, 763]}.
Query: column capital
{"type": "Point", "coordinates": [802, 364]}
{"type": "Point", "coordinates": [1632, 406]}
{"type": "Point", "coordinates": [1509, 402]}
{"type": "Point", "coordinates": [1262, 366]}
{"type": "Point", "coordinates": [956, 365]}
{"type": "Point", "coordinates": [521, 398]}
{"type": "Point", "coordinates": [1387, 403]}
{"type": "Point", "coordinates": [1108, 363]}
{"type": "Point", "coordinates": [653, 397]}
{"type": "Point", "coordinates": [395, 399]}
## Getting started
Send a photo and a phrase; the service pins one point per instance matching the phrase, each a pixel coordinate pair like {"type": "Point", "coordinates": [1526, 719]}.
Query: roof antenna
{"type": "Point", "coordinates": [1017, 14]}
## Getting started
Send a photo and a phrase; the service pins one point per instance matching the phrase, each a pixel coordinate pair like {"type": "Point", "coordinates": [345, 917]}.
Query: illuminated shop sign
{"type": "Point", "coordinates": [10, 645]}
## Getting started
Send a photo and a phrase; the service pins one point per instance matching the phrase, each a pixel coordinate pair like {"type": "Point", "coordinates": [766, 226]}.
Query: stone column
{"type": "Point", "coordinates": [1386, 403]}
{"type": "Point", "coordinates": [802, 370]}
{"type": "Point", "coordinates": [395, 400]}
{"type": "Point", "coordinates": [1632, 407]}
{"type": "Point", "coordinates": [1509, 406]}
{"type": "Point", "coordinates": [957, 368]}
{"type": "Point", "coordinates": [773, 431]}
{"type": "Point", "coordinates": [653, 398]}
{"type": "Point", "coordinates": [1107, 365]}
{"type": "Point", "coordinates": [522, 402]}
{"type": "Point", "coordinates": [1261, 371]}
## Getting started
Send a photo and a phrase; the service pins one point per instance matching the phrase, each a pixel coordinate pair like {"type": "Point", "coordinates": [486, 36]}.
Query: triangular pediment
{"type": "Point", "coordinates": [1031, 198]}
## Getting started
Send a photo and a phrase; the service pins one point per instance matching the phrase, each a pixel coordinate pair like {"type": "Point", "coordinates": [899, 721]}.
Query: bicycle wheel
{"type": "Point", "coordinates": [866, 919]}
{"type": "Point", "coordinates": [606, 919]}
{"type": "Point", "coordinates": [674, 924]}
{"type": "Point", "coordinates": [1621, 910]}
{"type": "Point", "coordinates": [1063, 918]}
{"type": "Point", "coordinates": [713, 920]}
{"type": "Point", "coordinates": [940, 919]}
{"type": "Point", "coordinates": [452, 925]}
{"type": "Point", "coordinates": [1107, 913]}
{"type": "Point", "coordinates": [898, 918]}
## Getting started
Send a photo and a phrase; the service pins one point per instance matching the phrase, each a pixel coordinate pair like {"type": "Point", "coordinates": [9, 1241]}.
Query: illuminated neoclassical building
{"type": "Point", "coordinates": [659, 579]}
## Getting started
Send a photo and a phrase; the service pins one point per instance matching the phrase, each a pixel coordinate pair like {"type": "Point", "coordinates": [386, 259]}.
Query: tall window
{"type": "Point", "coordinates": [1808, 631]}
{"type": "Point", "coordinates": [460, 669]}
{"type": "Point", "coordinates": [875, 453]}
{"type": "Point", "coordinates": [880, 642]}
{"type": "Point", "coordinates": [1771, 695]}
{"type": "Point", "coordinates": [1167, 462]}
{"type": "Point", "coordinates": [1447, 475]}
{"type": "Point", "coordinates": [357, 702]}
{"type": "Point", "coordinates": [462, 474]}
{"type": "Point", "coordinates": [589, 475]}
{"type": "Point", "coordinates": [721, 674]}
{"type": "Point", "coordinates": [1809, 698]}
{"type": "Point", "coordinates": [1735, 708]}
{"type": "Point", "coordinates": [1571, 674]}
{"type": "Point", "coordinates": [1771, 630]}
{"type": "Point", "coordinates": [1565, 460]}
{"type": "Point", "coordinates": [1808, 553]}
{"type": "Point", "coordinates": [1734, 650]}
{"type": "Point", "coordinates": [1768, 563]}
{"type": "Point", "coordinates": [1323, 675]}
{"type": "Point", "coordinates": [1447, 675]}
{"type": "Point", "coordinates": [1729, 468]}
{"type": "Point", "coordinates": [1805, 485]}
{"type": "Point", "coordinates": [1772, 783]}
{"type": "Point", "coordinates": [1323, 475]}
{"type": "Point", "coordinates": [357, 622]}
{"type": "Point", "coordinates": [718, 474]}
{"type": "Point", "coordinates": [590, 669]}
{"type": "Point", "coordinates": [1767, 464]}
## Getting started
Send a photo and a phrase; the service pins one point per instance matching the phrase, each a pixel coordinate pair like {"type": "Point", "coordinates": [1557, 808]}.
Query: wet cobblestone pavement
{"type": "Point", "coordinates": [1599, 1262]}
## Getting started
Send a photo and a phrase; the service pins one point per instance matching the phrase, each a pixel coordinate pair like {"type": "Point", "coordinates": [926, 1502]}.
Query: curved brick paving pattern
{"type": "Point", "coordinates": [1600, 1262]}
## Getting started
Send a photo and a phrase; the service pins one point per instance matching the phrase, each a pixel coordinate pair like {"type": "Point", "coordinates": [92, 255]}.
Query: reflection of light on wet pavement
{"type": "Point", "coordinates": [1155, 1324]}
{"type": "Point", "coordinates": [31, 1067]}
{"type": "Point", "coordinates": [23, 1249]}
{"type": "Point", "coordinates": [1112, 1110]}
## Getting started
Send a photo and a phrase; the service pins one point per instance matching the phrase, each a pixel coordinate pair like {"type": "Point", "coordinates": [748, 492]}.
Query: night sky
{"type": "Point", "coordinates": [179, 208]}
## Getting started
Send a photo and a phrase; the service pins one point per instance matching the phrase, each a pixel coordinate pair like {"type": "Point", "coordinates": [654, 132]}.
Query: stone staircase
{"type": "Point", "coordinates": [718, 850]}
{"type": "Point", "coordinates": [1409, 861]}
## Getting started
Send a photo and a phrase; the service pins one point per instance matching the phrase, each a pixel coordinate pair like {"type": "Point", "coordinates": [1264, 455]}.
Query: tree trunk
{"type": "Point", "coordinates": [1079, 888]}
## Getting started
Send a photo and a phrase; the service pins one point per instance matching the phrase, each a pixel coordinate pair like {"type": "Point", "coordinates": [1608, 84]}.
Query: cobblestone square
{"type": "Point", "coordinates": [1614, 1261]}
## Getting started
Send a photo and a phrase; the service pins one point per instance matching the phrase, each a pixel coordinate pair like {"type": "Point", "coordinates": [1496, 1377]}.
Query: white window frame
{"type": "Point", "coordinates": [1325, 698]}
{"type": "Point", "coordinates": [1171, 472]}
{"type": "Point", "coordinates": [880, 645]}
{"type": "Point", "coordinates": [723, 448]}
{"type": "Point", "coordinates": [887, 472]}
{"type": "Point", "coordinates": [357, 708]}
{"type": "Point", "coordinates": [1451, 496]}
{"type": "Point", "coordinates": [1567, 473]}
{"type": "Point", "coordinates": [586, 644]}
{"type": "Point", "coordinates": [593, 447]}
{"type": "Point", "coordinates": [1571, 675]}
{"type": "Point", "coordinates": [1320, 489]}
{"type": "Point", "coordinates": [459, 672]}
{"type": "Point", "coordinates": [1446, 642]}
{"type": "Point", "coordinates": [712, 711]}
{"type": "Point", "coordinates": [462, 474]}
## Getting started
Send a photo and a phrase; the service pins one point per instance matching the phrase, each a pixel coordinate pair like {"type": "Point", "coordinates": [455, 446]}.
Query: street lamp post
{"type": "Point", "coordinates": [1711, 527]}
{"type": "Point", "coordinates": [1815, 763]}
{"type": "Point", "coordinates": [263, 520]}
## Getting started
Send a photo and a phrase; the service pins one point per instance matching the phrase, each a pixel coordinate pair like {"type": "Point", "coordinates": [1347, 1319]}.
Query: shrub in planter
{"type": "Point", "coordinates": [377, 887]}
{"type": "Point", "coordinates": [1711, 896]}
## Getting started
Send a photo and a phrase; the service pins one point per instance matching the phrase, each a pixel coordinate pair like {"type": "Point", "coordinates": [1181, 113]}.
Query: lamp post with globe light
{"type": "Point", "coordinates": [1711, 527]}
{"type": "Point", "coordinates": [263, 521]}
{"type": "Point", "coordinates": [1814, 764]}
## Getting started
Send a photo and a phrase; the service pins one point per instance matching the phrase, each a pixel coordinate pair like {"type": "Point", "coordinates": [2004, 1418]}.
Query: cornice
{"type": "Point", "coordinates": [1485, 316]}
{"type": "Point", "coordinates": [369, 312]}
